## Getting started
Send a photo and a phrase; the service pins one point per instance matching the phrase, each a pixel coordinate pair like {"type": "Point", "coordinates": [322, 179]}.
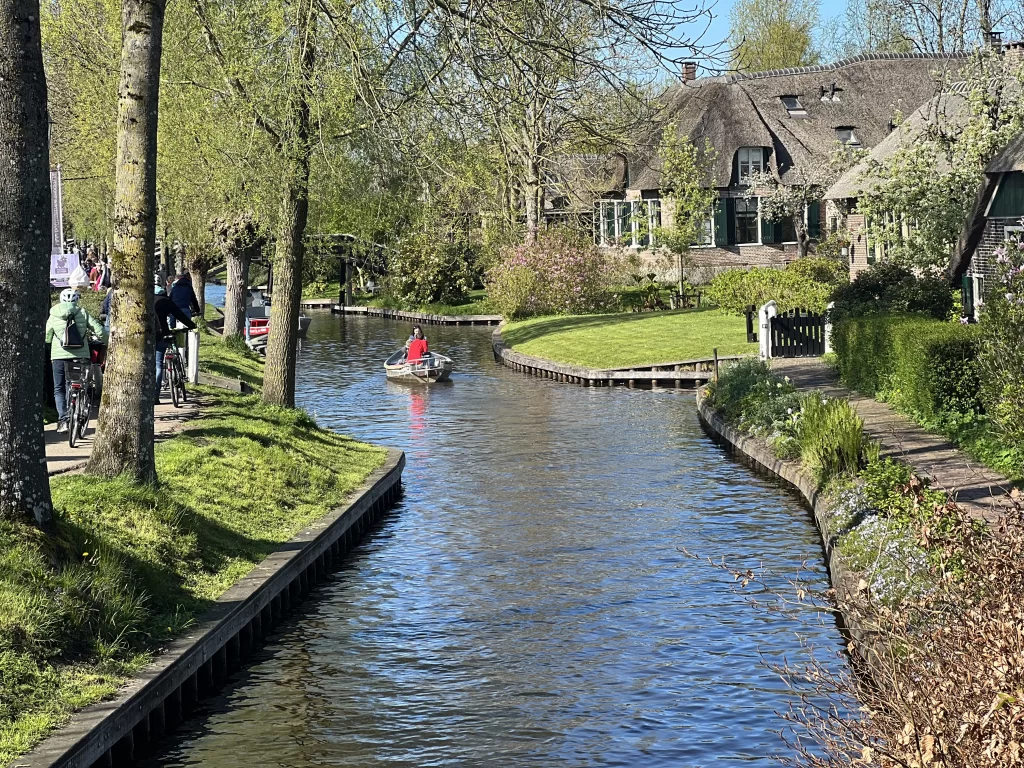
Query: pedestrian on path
{"type": "Point", "coordinates": [165, 308]}
{"type": "Point", "coordinates": [67, 332]}
{"type": "Point", "coordinates": [184, 296]}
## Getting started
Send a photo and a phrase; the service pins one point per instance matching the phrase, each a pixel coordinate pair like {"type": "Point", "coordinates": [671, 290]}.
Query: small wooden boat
{"type": "Point", "coordinates": [431, 369]}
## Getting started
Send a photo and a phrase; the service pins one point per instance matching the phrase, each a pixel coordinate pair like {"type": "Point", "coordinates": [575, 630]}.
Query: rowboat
{"type": "Point", "coordinates": [431, 369]}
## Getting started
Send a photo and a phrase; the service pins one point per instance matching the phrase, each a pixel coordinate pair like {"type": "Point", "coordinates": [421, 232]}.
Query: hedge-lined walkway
{"type": "Point", "coordinates": [978, 489]}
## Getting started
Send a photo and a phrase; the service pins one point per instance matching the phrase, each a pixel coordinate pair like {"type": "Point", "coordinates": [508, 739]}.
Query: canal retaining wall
{"type": "Point", "coordinates": [683, 374]}
{"type": "Point", "coordinates": [756, 453]}
{"type": "Point", "coordinates": [418, 317]}
{"type": "Point", "coordinates": [116, 732]}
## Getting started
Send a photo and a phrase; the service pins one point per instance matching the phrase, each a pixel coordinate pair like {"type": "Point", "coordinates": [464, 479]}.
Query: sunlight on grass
{"type": "Point", "coordinates": [129, 566]}
{"type": "Point", "coordinates": [634, 338]}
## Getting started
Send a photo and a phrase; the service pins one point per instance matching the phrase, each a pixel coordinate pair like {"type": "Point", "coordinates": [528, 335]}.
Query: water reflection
{"type": "Point", "coordinates": [528, 603]}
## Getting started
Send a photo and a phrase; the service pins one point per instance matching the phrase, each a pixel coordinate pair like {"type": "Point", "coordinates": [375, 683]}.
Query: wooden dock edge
{"type": "Point", "coordinates": [117, 731]}
{"type": "Point", "coordinates": [755, 453]}
{"type": "Point", "coordinates": [685, 374]}
{"type": "Point", "coordinates": [419, 317]}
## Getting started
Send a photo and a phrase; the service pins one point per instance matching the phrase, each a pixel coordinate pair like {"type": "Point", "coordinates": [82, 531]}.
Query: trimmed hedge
{"type": "Point", "coordinates": [919, 365]}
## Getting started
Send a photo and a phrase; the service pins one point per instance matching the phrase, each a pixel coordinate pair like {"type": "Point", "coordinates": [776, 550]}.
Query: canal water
{"type": "Point", "coordinates": [529, 603]}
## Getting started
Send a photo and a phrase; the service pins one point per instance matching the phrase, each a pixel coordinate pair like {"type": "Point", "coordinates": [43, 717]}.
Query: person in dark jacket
{"type": "Point", "coordinates": [184, 297]}
{"type": "Point", "coordinates": [164, 308]}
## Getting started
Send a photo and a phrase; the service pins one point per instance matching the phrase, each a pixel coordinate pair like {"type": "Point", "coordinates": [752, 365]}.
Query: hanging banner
{"type": "Point", "coordinates": [56, 213]}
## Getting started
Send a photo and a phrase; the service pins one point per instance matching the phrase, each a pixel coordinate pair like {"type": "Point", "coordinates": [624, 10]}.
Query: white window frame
{"type": "Point", "coordinates": [798, 111]}
{"type": "Point", "coordinates": [853, 140]}
{"type": "Point", "coordinates": [760, 237]}
{"type": "Point", "coordinates": [710, 221]}
{"type": "Point", "coordinates": [748, 153]}
{"type": "Point", "coordinates": [634, 229]}
{"type": "Point", "coordinates": [1011, 229]}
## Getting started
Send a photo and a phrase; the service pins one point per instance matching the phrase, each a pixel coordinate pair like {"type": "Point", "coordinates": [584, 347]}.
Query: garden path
{"type": "Point", "coordinates": [62, 458]}
{"type": "Point", "coordinates": [979, 490]}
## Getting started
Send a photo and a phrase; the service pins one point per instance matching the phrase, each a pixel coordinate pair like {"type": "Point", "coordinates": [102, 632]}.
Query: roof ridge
{"type": "Point", "coordinates": [740, 76]}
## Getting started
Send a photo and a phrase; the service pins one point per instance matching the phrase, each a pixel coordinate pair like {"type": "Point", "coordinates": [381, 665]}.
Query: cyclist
{"type": "Point", "coordinates": [165, 308]}
{"type": "Point", "coordinates": [67, 332]}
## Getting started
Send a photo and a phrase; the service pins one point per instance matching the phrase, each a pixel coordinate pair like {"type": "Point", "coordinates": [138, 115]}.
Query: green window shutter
{"type": "Point", "coordinates": [780, 231]}
{"type": "Point", "coordinates": [768, 235]}
{"type": "Point", "coordinates": [642, 213]}
{"type": "Point", "coordinates": [721, 223]}
{"type": "Point", "coordinates": [814, 219]}
{"type": "Point", "coordinates": [730, 221]}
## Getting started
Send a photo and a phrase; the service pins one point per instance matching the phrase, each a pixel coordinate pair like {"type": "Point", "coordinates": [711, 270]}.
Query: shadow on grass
{"type": "Point", "coordinates": [541, 328]}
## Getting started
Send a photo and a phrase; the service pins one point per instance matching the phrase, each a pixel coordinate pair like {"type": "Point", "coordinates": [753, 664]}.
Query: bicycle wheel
{"type": "Point", "coordinates": [85, 411]}
{"type": "Point", "coordinates": [181, 379]}
{"type": "Point", "coordinates": [72, 418]}
{"type": "Point", "coordinates": [171, 375]}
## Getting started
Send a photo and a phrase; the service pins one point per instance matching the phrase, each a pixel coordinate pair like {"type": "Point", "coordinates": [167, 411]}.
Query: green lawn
{"type": "Point", "coordinates": [631, 338]}
{"type": "Point", "coordinates": [128, 566]}
{"type": "Point", "coordinates": [230, 358]}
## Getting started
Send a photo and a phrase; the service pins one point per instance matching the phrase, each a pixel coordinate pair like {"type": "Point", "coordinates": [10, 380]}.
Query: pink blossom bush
{"type": "Point", "coordinates": [557, 275]}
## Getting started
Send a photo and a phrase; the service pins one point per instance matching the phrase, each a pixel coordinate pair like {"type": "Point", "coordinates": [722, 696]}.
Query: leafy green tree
{"type": "Point", "coordinates": [689, 195]}
{"type": "Point", "coordinates": [917, 201]}
{"type": "Point", "coordinates": [24, 241]}
{"type": "Point", "coordinates": [773, 34]}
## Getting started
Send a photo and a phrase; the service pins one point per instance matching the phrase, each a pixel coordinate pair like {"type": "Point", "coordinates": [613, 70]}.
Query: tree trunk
{"type": "Point", "coordinates": [803, 240]}
{"type": "Point", "coordinates": [199, 275]}
{"type": "Point", "coordinates": [531, 191]}
{"type": "Point", "coordinates": [279, 371]}
{"type": "Point", "coordinates": [24, 266]}
{"type": "Point", "coordinates": [124, 435]}
{"type": "Point", "coordinates": [234, 301]}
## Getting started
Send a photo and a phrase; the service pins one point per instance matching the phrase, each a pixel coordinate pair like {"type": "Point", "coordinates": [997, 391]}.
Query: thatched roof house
{"type": "Point", "coordinates": [997, 212]}
{"type": "Point", "coordinates": [769, 121]}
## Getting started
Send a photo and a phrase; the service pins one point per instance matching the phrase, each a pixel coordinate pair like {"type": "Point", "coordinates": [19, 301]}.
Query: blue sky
{"type": "Point", "coordinates": [719, 29]}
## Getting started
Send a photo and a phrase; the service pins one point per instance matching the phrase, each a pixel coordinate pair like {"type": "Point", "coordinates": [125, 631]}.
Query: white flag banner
{"type": "Point", "coordinates": [61, 267]}
{"type": "Point", "coordinates": [57, 216]}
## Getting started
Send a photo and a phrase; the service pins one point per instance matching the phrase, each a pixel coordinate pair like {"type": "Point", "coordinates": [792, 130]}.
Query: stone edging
{"type": "Point", "coordinates": [688, 373]}
{"type": "Point", "coordinates": [756, 453]}
{"type": "Point", "coordinates": [115, 731]}
{"type": "Point", "coordinates": [419, 317]}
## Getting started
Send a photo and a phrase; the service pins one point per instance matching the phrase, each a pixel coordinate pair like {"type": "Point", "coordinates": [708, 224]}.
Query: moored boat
{"type": "Point", "coordinates": [431, 369]}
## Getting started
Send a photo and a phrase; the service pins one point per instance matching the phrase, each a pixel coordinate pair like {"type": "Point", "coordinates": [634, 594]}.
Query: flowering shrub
{"type": "Point", "coordinates": [557, 275]}
{"type": "Point", "coordinates": [429, 266]}
{"type": "Point", "coordinates": [1001, 353]}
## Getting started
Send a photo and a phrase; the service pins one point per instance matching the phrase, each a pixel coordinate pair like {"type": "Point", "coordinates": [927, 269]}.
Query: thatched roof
{"type": "Point", "coordinates": [747, 111]}
{"type": "Point", "coordinates": [1011, 159]}
{"type": "Point", "coordinates": [945, 109]}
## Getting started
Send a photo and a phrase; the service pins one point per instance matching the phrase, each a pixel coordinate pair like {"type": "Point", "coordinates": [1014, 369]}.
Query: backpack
{"type": "Point", "coordinates": [72, 338]}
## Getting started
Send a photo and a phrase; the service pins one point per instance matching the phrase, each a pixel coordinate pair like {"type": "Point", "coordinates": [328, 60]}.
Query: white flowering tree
{"type": "Point", "coordinates": [789, 201]}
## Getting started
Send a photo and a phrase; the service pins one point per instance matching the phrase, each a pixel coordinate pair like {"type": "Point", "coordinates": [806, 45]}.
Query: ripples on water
{"type": "Point", "coordinates": [528, 602]}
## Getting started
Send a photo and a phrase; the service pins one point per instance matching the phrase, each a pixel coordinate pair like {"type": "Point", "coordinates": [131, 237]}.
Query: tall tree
{"type": "Point", "coordinates": [24, 268]}
{"type": "Point", "coordinates": [124, 435]}
{"type": "Point", "coordinates": [238, 239]}
{"type": "Point", "coordinates": [773, 34]}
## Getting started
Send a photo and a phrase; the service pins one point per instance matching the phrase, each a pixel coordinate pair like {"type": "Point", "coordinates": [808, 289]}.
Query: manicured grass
{"type": "Point", "coordinates": [129, 566]}
{"type": "Point", "coordinates": [230, 358]}
{"type": "Point", "coordinates": [632, 338]}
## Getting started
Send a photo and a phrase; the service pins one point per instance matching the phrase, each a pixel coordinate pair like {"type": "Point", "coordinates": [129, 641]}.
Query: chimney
{"type": "Point", "coordinates": [689, 71]}
{"type": "Point", "coordinates": [1013, 53]}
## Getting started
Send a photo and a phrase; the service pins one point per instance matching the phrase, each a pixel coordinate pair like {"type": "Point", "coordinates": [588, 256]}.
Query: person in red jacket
{"type": "Point", "coordinates": [416, 349]}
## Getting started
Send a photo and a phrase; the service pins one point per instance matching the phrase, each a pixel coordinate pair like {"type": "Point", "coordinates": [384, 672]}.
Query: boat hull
{"type": "Point", "coordinates": [431, 370]}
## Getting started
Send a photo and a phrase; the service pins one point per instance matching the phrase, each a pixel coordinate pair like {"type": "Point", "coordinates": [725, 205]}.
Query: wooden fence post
{"type": "Point", "coordinates": [715, 352]}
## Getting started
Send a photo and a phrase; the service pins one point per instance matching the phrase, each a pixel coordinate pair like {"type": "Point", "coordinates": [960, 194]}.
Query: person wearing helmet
{"type": "Point", "coordinates": [67, 332]}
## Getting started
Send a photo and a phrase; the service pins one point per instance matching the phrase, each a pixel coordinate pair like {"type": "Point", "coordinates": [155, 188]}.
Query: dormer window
{"type": "Point", "coordinates": [847, 136]}
{"type": "Point", "coordinates": [750, 161]}
{"type": "Point", "coordinates": [793, 106]}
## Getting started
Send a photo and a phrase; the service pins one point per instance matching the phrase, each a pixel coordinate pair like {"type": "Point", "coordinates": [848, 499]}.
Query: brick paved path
{"type": "Point", "coordinates": [978, 489]}
{"type": "Point", "coordinates": [60, 457]}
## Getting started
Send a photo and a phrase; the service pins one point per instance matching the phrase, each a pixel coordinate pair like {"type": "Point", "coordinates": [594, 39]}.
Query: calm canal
{"type": "Point", "coordinates": [527, 603]}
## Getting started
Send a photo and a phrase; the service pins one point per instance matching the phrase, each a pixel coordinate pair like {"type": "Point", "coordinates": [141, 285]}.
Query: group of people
{"type": "Point", "coordinates": [70, 330]}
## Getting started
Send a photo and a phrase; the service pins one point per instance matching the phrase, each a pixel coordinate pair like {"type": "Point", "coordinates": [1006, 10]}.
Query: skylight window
{"type": "Point", "coordinates": [793, 106]}
{"type": "Point", "coordinates": [847, 137]}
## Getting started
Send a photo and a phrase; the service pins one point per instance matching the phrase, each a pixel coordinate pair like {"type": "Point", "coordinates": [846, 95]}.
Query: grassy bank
{"type": "Point", "coordinates": [230, 358]}
{"type": "Point", "coordinates": [129, 566]}
{"type": "Point", "coordinates": [633, 338]}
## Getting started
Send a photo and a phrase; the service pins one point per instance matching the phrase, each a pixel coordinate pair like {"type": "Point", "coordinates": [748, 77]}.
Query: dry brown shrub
{"type": "Point", "coordinates": [943, 684]}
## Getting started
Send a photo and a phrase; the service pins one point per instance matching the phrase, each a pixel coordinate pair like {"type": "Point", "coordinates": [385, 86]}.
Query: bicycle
{"type": "Point", "coordinates": [82, 393]}
{"type": "Point", "coordinates": [174, 372]}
